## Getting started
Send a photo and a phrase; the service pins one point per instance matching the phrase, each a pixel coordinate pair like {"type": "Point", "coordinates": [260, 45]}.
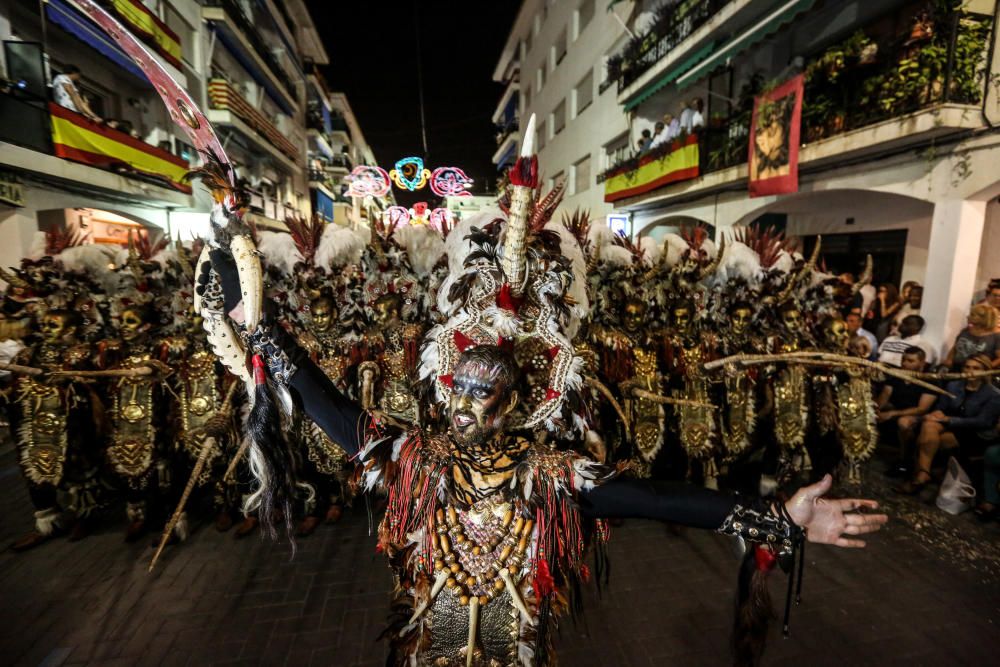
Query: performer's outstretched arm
{"type": "Point", "coordinates": [825, 521]}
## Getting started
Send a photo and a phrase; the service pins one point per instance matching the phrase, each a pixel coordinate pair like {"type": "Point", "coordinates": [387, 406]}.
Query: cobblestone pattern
{"type": "Point", "coordinates": [218, 601]}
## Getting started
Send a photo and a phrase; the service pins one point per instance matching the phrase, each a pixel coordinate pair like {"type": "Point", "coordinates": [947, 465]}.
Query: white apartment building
{"type": "Point", "coordinates": [552, 66]}
{"type": "Point", "coordinates": [243, 62]}
{"type": "Point", "coordinates": [898, 148]}
{"type": "Point", "coordinates": [336, 146]}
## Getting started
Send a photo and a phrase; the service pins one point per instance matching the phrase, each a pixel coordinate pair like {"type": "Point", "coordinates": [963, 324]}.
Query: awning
{"type": "Point", "coordinates": [323, 206]}
{"type": "Point", "coordinates": [235, 47]}
{"type": "Point", "coordinates": [670, 75]}
{"type": "Point", "coordinates": [507, 159]}
{"type": "Point", "coordinates": [767, 26]}
{"type": "Point", "coordinates": [70, 20]}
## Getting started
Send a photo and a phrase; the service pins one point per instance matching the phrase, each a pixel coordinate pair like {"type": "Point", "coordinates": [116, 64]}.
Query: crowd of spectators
{"type": "Point", "coordinates": [688, 120]}
{"type": "Point", "coordinates": [888, 326]}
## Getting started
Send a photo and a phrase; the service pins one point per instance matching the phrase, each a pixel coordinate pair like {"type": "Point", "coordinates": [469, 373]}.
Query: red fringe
{"type": "Point", "coordinates": [525, 172]}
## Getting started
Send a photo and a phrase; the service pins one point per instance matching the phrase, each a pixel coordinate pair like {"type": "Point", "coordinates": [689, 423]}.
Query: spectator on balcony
{"type": "Point", "coordinates": [684, 119]}
{"type": "Point", "coordinates": [979, 338]}
{"type": "Point", "coordinates": [901, 405]}
{"type": "Point", "coordinates": [967, 420]}
{"type": "Point", "coordinates": [644, 141]}
{"type": "Point", "coordinates": [853, 320]}
{"type": "Point", "coordinates": [893, 348]}
{"type": "Point", "coordinates": [66, 94]}
{"type": "Point", "coordinates": [698, 115]}
{"type": "Point", "coordinates": [911, 306]}
{"type": "Point", "coordinates": [660, 135]}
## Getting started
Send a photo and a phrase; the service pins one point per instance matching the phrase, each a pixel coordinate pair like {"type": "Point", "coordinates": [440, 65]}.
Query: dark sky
{"type": "Point", "coordinates": [373, 53]}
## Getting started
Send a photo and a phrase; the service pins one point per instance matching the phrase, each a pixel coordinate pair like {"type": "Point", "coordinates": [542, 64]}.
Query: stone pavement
{"type": "Point", "coordinates": [918, 595]}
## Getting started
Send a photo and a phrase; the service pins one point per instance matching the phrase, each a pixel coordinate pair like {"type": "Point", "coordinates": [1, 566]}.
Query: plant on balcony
{"type": "Point", "coordinates": [969, 65]}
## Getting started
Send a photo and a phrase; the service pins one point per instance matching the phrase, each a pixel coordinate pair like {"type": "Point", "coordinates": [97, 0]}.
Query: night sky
{"type": "Point", "coordinates": [373, 56]}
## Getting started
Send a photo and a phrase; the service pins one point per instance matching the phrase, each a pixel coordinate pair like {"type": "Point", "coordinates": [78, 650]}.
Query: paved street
{"type": "Point", "coordinates": [925, 592]}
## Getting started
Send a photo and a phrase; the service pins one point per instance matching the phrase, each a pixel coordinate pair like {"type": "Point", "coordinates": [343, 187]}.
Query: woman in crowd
{"type": "Point", "coordinates": [879, 318]}
{"type": "Point", "coordinates": [979, 338]}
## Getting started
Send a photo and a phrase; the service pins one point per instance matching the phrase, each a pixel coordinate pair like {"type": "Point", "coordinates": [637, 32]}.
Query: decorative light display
{"type": "Point", "coordinates": [398, 216]}
{"type": "Point", "coordinates": [450, 182]}
{"type": "Point", "coordinates": [410, 173]}
{"type": "Point", "coordinates": [369, 181]}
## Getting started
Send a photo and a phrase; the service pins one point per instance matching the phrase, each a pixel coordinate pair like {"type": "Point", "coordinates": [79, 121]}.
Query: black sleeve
{"type": "Point", "coordinates": [314, 393]}
{"type": "Point", "coordinates": [676, 502]}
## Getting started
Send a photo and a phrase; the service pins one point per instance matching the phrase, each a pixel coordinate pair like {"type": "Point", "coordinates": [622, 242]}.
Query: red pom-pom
{"type": "Point", "coordinates": [553, 351]}
{"type": "Point", "coordinates": [258, 369]}
{"type": "Point", "coordinates": [544, 583]}
{"type": "Point", "coordinates": [764, 558]}
{"type": "Point", "coordinates": [551, 393]}
{"type": "Point", "coordinates": [506, 344]}
{"type": "Point", "coordinates": [445, 379]}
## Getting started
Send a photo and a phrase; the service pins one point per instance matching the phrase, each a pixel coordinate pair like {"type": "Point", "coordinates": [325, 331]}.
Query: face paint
{"type": "Point", "coordinates": [479, 404]}
{"type": "Point", "coordinates": [792, 319]}
{"type": "Point", "coordinates": [837, 335]}
{"type": "Point", "coordinates": [323, 314]}
{"type": "Point", "coordinates": [132, 325]}
{"type": "Point", "coordinates": [386, 311]}
{"type": "Point", "coordinates": [634, 316]}
{"type": "Point", "coordinates": [682, 318]}
{"type": "Point", "coordinates": [740, 320]}
{"type": "Point", "coordinates": [54, 327]}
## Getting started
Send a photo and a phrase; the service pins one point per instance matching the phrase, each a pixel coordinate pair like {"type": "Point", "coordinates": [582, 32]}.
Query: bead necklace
{"type": "Point", "coordinates": [479, 554]}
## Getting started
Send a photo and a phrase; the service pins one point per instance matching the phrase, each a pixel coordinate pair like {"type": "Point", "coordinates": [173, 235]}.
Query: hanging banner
{"type": "Point", "coordinates": [774, 140]}
{"type": "Point", "coordinates": [671, 164]}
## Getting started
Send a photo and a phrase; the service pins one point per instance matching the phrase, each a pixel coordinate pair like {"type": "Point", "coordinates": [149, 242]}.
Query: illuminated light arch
{"type": "Point", "coordinates": [410, 173]}
{"type": "Point", "coordinates": [369, 181]}
{"type": "Point", "coordinates": [450, 182]}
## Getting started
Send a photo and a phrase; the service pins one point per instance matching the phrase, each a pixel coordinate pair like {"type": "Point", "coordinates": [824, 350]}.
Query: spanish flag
{"type": "Point", "coordinates": [679, 163]}
{"type": "Point", "coordinates": [150, 29]}
{"type": "Point", "coordinates": [78, 139]}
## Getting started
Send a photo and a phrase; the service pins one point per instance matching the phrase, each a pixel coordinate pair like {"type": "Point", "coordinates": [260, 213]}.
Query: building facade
{"type": "Point", "coordinates": [552, 66]}
{"type": "Point", "coordinates": [245, 63]}
{"type": "Point", "coordinates": [897, 140]}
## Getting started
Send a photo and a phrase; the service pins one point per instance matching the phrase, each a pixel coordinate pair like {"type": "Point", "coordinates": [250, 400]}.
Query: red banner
{"type": "Point", "coordinates": [774, 140]}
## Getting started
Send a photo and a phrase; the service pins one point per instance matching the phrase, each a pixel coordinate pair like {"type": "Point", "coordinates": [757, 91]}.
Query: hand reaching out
{"type": "Point", "coordinates": [827, 521]}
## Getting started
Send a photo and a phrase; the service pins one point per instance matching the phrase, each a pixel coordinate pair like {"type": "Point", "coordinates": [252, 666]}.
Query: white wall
{"type": "Point", "coordinates": [599, 123]}
{"type": "Point", "coordinates": [989, 253]}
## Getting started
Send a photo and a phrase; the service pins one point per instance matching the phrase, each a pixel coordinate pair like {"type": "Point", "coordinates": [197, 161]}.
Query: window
{"type": "Point", "coordinates": [557, 178]}
{"type": "Point", "coordinates": [540, 135]}
{"type": "Point", "coordinates": [559, 118]}
{"type": "Point", "coordinates": [559, 49]}
{"type": "Point", "coordinates": [584, 14]}
{"type": "Point", "coordinates": [616, 150]}
{"type": "Point", "coordinates": [583, 94]}
{"type": "Point", "coordinates": [540, 79]}
{"type": "Point", "coordinates": [581, 175]}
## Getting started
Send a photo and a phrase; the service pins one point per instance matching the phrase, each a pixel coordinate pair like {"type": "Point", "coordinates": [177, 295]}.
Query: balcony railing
{"type": "Point", "coordinates": [505, 129]}
{"type": "Point", "coordinates": [673, 24]}
{"type": "Point", "coordinates": [222, 96]}
{"type": "Point", "coordinates": [858, 83]}
{"type": "Point", "coordinates": [249, 30]}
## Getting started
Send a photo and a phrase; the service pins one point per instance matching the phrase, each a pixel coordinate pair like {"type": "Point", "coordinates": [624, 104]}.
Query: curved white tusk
{"type": "Point", "coordinates": [528, 138]}
{"type": "Point", "coordinates": [435, 590]}
{"type": "Point", "coordinates": [251, 279]}
{"type": "Point", "coordinates": [515, 595]}
{"type": "Point", "coordinates": [470, 648]}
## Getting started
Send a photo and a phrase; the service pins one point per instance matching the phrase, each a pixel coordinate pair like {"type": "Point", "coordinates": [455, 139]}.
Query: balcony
{"type": "Point", "coordinates": [862, 97]}
{"type": "Point", "coordinates": [149, 28]}
{"type": "Point", "coordinates": [228, 107]}
{"type": "Point", "coordinates": [46, 139]}
{"type": "Point", "coordinates": [239, 35]}
{"type": "Point", "coordinates": [672, 25]}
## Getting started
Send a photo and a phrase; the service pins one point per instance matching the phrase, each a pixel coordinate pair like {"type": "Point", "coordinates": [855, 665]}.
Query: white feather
{"type": "Point", "coordinates": [616, 255]}
{"type": "Point", "coordinates": [279, 251]}
{"type": "Point", "coordinates": [37, 249]}
{"type": "Point", "coordinates": [785, 262]}
{"type": "Point", "coordinates": [652, 250]}
{"type": "Point", "coordinates": [424, 247]}
{"type": "Point", "coordinates": [675, 246]}
{"type": "Point", "coordinates": [739, 261]}
{"type": "Point", "coordinates": [340, 246]}
{"type": "Point", "coordinates": [91, 259]}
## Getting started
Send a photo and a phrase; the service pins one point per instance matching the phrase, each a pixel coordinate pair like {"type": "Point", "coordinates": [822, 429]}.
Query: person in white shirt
{"type": "Point", "coordinates": [65, 93]}
{"type": "Point", "coordinates": [911, 307]}
{"type": "Point", "coordinates": [659, 135]}
{"type": "Point", "coordinates": [892, 349]}
{"type": "Point", "coordinates": [853, 321]}
{"type": "Point", "coordinates": [697, 117]}
{"type": "Point", "coordinates": [686, 116]}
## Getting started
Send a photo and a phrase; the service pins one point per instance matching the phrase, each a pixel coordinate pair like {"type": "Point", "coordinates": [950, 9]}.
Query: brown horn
{"type": "Point", "coordinates": [710, 268]}
{"type": "Point", "coordinates": [13, 279]}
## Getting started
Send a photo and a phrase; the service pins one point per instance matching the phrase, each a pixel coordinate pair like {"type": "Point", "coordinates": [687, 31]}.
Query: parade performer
{"type": "Point", "coordinates": [485, 530]}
